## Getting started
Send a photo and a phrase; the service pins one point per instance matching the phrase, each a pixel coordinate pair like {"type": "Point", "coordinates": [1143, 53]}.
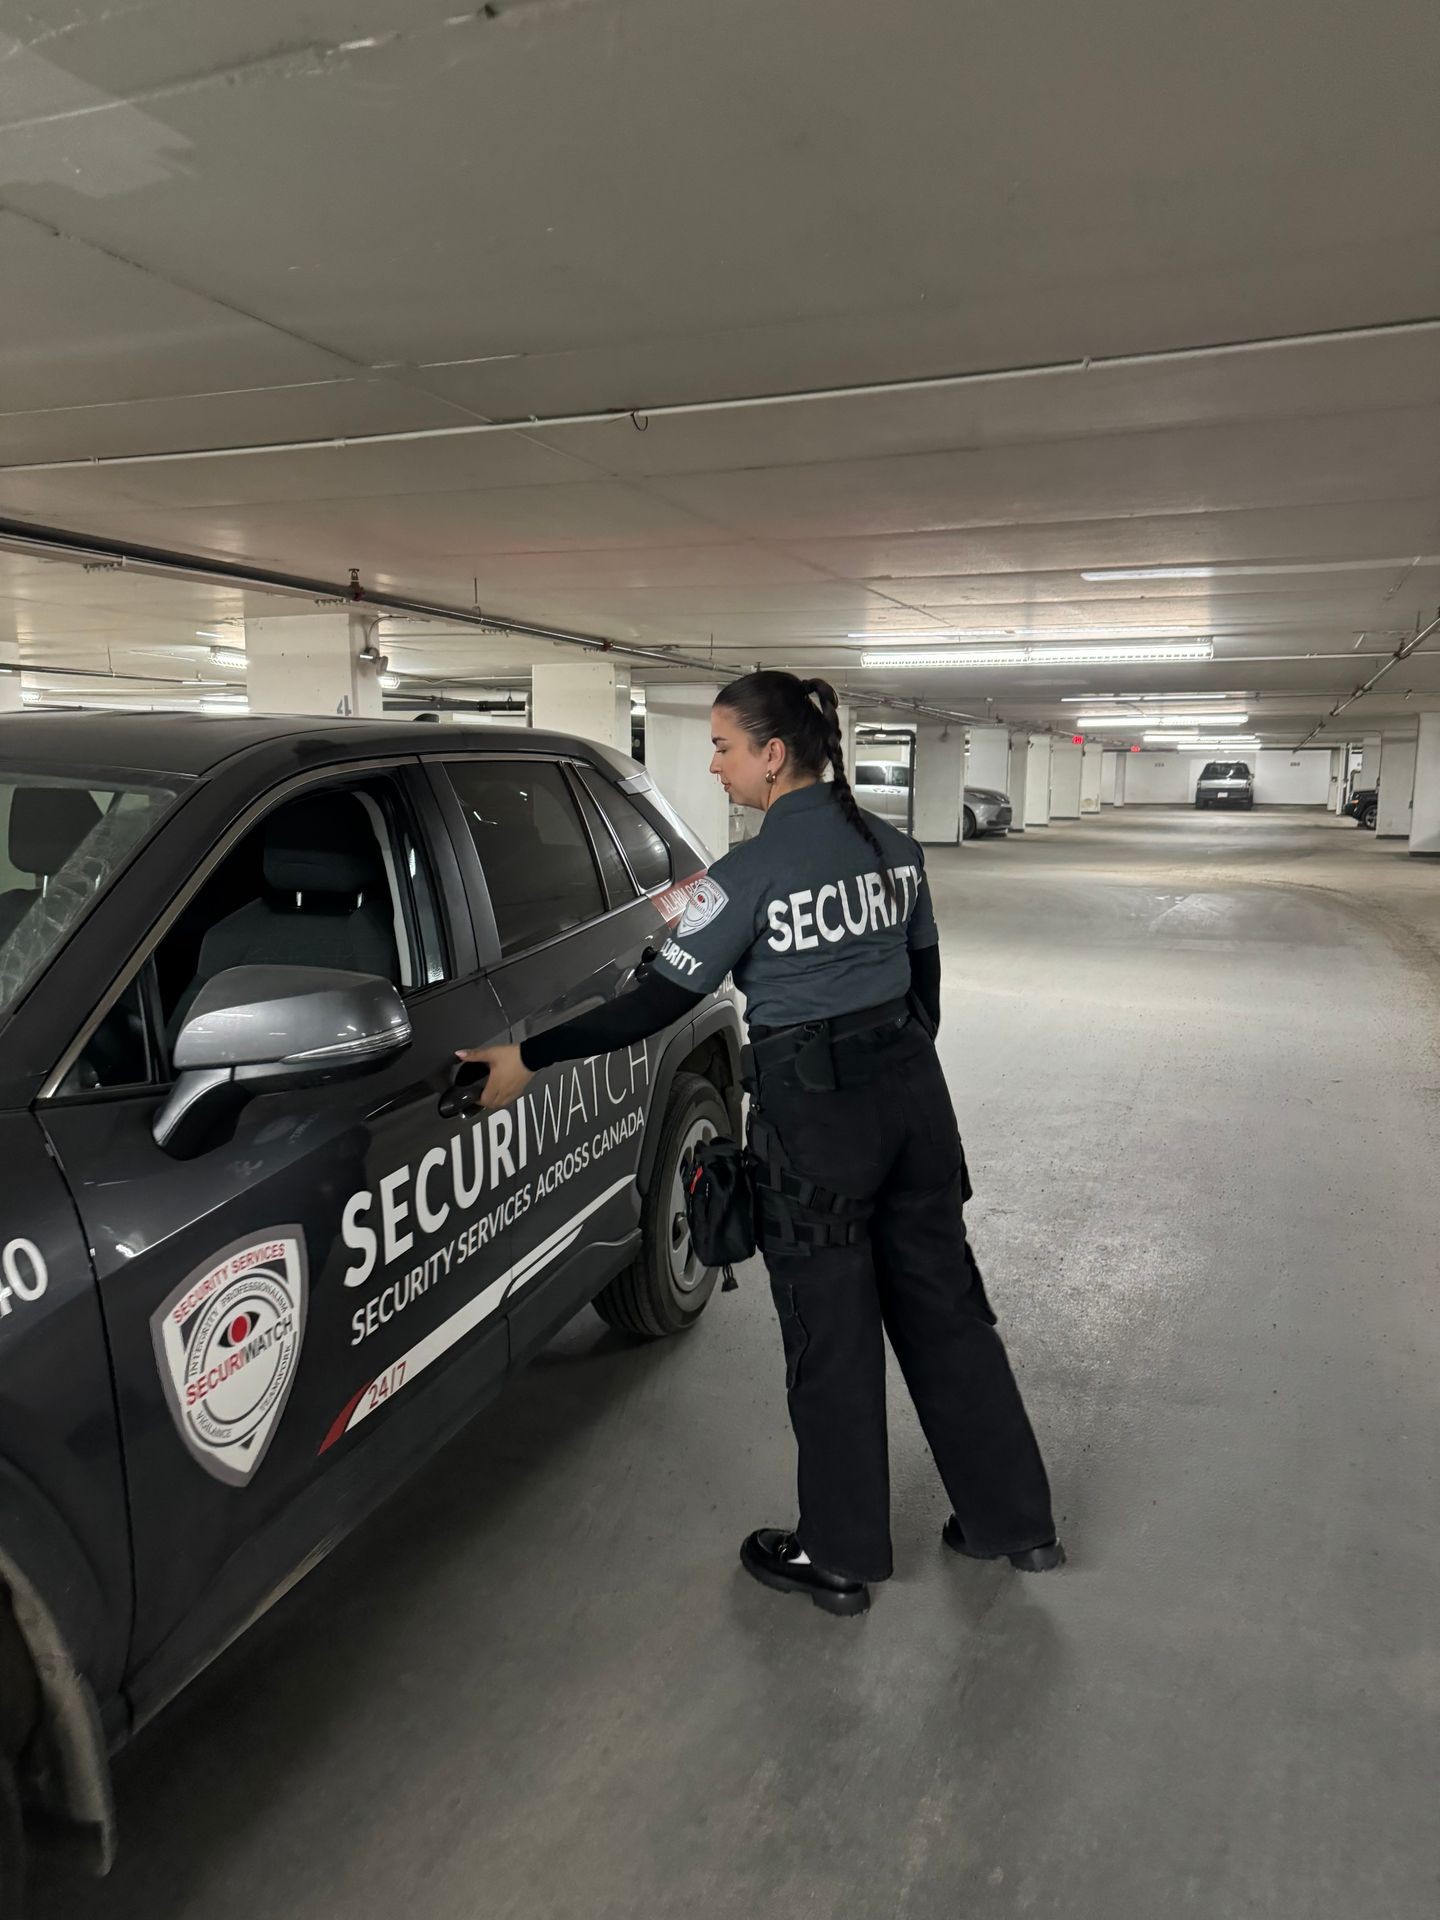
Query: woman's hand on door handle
{"type": "Point", "coordinates": [508, 1078]}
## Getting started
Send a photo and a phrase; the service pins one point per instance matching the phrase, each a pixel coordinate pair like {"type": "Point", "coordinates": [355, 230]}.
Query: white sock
{"type": "Point", "coordinates": [798, 1556]}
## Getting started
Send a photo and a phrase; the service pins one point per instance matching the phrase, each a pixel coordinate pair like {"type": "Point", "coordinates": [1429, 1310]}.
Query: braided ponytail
{"type": "Point", "coordinates": [805, 715]}
{"type": "Point", "coordinates": [828, 703]}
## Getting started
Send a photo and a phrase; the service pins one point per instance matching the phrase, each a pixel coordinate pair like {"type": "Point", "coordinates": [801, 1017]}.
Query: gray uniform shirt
{"type": "Point", "coordinates": [799, 915]}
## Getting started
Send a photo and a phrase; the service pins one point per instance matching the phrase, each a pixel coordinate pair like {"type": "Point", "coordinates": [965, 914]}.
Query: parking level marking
{"type": "Point", "coordinates": [382, 1389]}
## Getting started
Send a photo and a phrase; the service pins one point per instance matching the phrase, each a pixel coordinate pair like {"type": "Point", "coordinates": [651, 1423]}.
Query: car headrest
{"type": "Point", "coordinates": [323, 844]}
{"type": "Point", "coordinates": [47, 824]}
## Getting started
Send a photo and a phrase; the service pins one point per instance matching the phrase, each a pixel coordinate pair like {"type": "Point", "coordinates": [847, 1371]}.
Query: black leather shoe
{"type": "Point", "coordinates": [1042, 1559]}
{"type": "Point", "coordinates": [768, 1555]}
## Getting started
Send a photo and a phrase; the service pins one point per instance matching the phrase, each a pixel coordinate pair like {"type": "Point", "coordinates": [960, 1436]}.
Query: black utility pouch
{"type": "Point", "coordinates": [720, 1204]}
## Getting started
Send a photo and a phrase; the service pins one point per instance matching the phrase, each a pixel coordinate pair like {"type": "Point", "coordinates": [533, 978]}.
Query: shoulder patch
{"type": "Point", "coordinates": [705, 898]}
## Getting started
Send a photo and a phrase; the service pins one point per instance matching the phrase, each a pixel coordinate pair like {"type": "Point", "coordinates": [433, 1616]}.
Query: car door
{"type": "Point", "coordinates": [557, 904]}
{"type": "Point", "coordinates": [298, 1315]}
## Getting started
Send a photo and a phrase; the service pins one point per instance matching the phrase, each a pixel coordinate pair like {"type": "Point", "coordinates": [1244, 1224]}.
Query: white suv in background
{"type": "Point", "coordinates": [883, 787]}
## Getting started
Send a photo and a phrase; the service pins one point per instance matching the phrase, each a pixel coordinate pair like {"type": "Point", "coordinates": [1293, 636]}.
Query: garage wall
{"type": "Point", "coordinates": [1163, 779]}
{"type": "Point", "coordinates": [1282, 778]}
{"type": "Point", "coordinates": [1285, 779]}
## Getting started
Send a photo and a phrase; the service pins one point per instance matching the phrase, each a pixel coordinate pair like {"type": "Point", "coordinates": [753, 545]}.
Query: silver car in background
{"type": "Point", "coordinates": [883, 787]}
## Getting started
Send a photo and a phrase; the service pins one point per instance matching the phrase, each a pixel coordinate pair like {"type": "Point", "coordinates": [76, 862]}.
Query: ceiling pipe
{"type": "Point", "coordinates": [1402, 652]}
{"type": "Point", "coordinates": [641, 416]}
{"type": "Point", "coordinates": [62, 544]}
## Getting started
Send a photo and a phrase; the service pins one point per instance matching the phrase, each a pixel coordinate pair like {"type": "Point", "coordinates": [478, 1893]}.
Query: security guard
{"type": "Point", "coordinates": [825, 921]}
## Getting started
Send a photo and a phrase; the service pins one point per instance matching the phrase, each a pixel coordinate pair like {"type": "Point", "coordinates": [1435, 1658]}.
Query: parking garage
{"type": "Point", "coordinates": [1063, 387]}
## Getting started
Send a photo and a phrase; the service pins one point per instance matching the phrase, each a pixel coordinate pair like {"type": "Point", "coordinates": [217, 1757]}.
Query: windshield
{"type": "Point", "coordinates": [1226, 770]}
{"type": "Point", "coordinates": [61, 844]}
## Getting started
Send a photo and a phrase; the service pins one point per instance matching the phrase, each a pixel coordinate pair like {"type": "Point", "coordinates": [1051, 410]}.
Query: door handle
{"type": "Point", "coordinates": [462, 1095]}
{"type": "Point", "coordinates": [632, 974]}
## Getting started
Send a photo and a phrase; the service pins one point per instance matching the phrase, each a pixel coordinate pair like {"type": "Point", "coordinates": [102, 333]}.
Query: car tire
{"type": "Point", "coordinates": [12, 1844]}
{"type": "Point", "coordinates": [1366, 817]}
{"type": "Point", "coordinates": [967, 825]}
{"type": "Point", "coordinates": [664, 1290]}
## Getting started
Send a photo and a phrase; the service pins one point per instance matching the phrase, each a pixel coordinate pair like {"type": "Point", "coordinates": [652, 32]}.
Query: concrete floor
{"type": "Point", "coordinates": [1195, 1061]}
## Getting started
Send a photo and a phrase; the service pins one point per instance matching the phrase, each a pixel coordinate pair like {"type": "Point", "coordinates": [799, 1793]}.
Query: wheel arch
{"type": "Point", "coordinates": [710, 1046]}
{"type": "Point", "coordinates": [58, 1731]}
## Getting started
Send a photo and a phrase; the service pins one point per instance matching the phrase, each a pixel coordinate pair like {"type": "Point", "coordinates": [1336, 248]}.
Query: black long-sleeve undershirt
{"type": "Point", "coordinates": [653, 1004]}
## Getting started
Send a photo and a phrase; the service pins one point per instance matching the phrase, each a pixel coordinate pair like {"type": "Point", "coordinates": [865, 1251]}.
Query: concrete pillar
{"type": "Point", "coordinates": [589, 697]}
{"type": "Point", "coordinates": [1369, 761]}
{"type": "Point", "coordinates": [939, 779]}
{"type": "Point", "coordinates": [1397, 789]}
{"type": "Point", "coordinates": [1109, 773]}
{"type": "Point", "coordinates": [1425, 818]}
{"type": "Point", "coordinates": [310, 663]}
{"type": "Point", "coordinates": [10, 697]}
{"type": "Point", "coordinates": [678, 751]}
{"type": "Point", "coordinates": [1092, 771]}
{"type": "Point", "coordinates": [987, 760]}
{"type": "Point", "coordinates": [1337, 778]}
{"type": "Point", "coordinates": [1034, 809]}
{"type": "Point", "coordinates": [847, 734]}
{"type": "Point", "coordinates": [1065, 768]}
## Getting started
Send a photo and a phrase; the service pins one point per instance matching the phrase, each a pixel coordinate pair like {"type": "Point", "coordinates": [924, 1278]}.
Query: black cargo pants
{"type": "Point", "coordinates": [887, 1136]}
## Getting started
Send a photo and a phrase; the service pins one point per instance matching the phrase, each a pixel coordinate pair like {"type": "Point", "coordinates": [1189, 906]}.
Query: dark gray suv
{"type": "Point", "coordinates": [262, 1251]}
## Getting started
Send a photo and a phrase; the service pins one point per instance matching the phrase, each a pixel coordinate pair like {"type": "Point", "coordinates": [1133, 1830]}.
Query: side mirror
{"type": "Point", "coordinates": [267, 1029]}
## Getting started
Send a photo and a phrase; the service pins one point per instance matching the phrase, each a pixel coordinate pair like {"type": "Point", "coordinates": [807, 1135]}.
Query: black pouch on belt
{"type": "Point", "coordinates": [720, 1204]}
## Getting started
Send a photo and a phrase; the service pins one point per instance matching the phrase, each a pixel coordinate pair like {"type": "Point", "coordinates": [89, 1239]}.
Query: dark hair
{"type": "Point", "coordinates": [805, 716]}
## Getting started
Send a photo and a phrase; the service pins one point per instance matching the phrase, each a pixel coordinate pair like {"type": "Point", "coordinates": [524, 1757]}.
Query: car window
{"type": "Point", "coordinates": [533, 848]}
{"type": "Point", "coordinates": [333, 877]}
{"type": "Point", "coordinates": [869, 773]}
{"type": "Point", "coordinates": [619, 886]}
{"type": "Point", "coordinates": [645, 849]}
{"type": "Point", "coordinates": [1226, 770]}
{"type": "Point", "coordinates": [64, 841]}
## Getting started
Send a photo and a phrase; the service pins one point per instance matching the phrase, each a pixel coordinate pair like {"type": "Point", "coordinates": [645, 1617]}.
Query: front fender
{"type": "Point", "coordinates": [717, 1022]}
{"type": "Point", "coordinates": [60, 1613]}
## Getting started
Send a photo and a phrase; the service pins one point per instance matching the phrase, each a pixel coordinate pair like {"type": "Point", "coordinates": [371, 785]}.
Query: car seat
{"type": "Point", "coordinates": [326, 899]}
{"type": "Point", "coordinates": [47, 824]}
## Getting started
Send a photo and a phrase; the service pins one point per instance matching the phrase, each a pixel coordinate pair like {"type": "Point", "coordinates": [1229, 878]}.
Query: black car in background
{"type": "Point", "coordinates": [1225, 783]}
{"type": "Point", "coordinates": [261, 1251]}
{"type": "Point", "coordinates": [1363, 807]}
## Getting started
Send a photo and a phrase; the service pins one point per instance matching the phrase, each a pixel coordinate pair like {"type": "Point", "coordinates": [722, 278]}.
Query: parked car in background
{"type": "Point", "coordinates": [986, 811]}
{"type": "Point", "coordinates": [1363, 807]}
{"type": "Point", "coordinates": [262, 1252]}
{"type": "Point", "coordinates": [883, 787]}
{"type": "Point", "coordinates": [1225, 783]}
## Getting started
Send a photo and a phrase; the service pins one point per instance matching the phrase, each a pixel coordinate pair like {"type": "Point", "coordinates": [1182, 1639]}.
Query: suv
{"type": "Point", "coordinates": [1225, 783]}
{"type": "Point", "coordinates": [1363, 807]}
{"type": "Point", "coordinates": [262, 1251]}
{"type": "Point", "coordinates": [883, 787]}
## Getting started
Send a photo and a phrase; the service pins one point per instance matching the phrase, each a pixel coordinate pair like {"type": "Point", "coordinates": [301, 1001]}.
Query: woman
{"type": "Point", "coordinates": [825, 920]}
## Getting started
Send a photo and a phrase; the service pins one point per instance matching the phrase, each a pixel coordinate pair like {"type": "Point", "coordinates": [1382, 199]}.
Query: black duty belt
{"type": "Point", "coordinates": [808, 1046]}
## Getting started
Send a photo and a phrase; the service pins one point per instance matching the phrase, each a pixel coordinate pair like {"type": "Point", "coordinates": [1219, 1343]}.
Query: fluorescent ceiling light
{"type": "Point", "coordinates": [31, 697]}
{"type": "Point", "coordinates": [1133, 699]}
{"type": "Point", "coordinates": [1248, 569]}
{"type": "Point", "coordinates": [208, 633]}
{"type": "Point", "coordinates": [225, 702]}
{"type": "Point", "coordinates": [230, 657]}
{"type": "Point", "coordinates": [1132, 721]}
{"type": "Point", "coordinates": [1095, 632]}
{"type": "Point", "coordinates": [1199, 740]}
{"type": "Point", "coordinates": [388, 682]}
{"type": "Point", "coordinates": [1102, 574]}
{"type": "Point", "coordinates": [1100, 654]}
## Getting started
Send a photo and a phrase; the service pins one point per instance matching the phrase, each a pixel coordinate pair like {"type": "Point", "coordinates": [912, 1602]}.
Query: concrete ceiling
{"type": "Point", "coordinates": [228, 226]}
